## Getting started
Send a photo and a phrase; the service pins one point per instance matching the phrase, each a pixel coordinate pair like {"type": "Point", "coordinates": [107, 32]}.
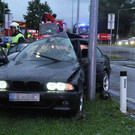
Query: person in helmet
{"type": "Point", "coordinates": [17, 36]}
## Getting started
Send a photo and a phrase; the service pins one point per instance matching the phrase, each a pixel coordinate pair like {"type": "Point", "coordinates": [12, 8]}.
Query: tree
{"type": "Point", "coordinates": [126, 17]}
{"type": "Point", "coordinates": [7, 10]}
{"type": "Point", "coordinates": [34, 12]}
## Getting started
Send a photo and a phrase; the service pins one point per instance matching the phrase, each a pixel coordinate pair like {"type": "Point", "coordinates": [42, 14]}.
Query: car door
{"type": "Point", "coordinates": [99, 58]}
{"type": "Point", "coordinates": [100, 64]}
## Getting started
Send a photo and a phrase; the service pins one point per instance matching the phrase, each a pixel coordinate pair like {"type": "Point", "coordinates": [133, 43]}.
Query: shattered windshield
{"type": "Point", "coordinates": [57, 47]}
{"type": "Point", "coordinates": [48, 28]}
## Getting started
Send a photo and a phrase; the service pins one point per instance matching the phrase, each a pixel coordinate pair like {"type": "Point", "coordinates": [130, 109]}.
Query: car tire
{"type": "Point", "coordinates": [79, 107]}
{"type": "Point", "coordinates": [105, 82]}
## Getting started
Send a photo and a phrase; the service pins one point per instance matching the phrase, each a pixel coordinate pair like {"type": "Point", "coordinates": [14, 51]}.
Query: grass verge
{"type": "Point", "coordinates": [114, 57]}
{"type": "Point", "coordinates": [103, 118]}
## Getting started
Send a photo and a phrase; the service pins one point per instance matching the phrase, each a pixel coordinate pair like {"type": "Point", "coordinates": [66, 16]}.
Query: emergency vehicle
{"type": "Point", "coordinates": [50, 26]}
{"type": "Point", "coordinates": [83, 30]}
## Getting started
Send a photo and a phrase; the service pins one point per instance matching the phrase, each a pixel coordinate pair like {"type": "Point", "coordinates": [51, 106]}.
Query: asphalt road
{"type": "Point", "coordinates": [118, 66]}
{"type": "Point", "coordinates": [128, 53]}
{"type": "Point", "coordinates": [128, 64]}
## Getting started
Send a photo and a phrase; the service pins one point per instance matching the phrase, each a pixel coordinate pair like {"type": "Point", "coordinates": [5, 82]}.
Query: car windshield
{"type": "Point", "coordinates": [57, 47]}
{"type": "Point", "coordinates": [48, 28]}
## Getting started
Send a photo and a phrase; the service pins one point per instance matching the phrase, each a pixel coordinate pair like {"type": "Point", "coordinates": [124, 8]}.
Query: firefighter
{"type": "Point", "coordinates": [17, 36]}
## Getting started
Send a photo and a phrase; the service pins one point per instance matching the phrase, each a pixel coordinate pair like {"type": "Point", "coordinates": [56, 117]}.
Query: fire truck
{"type": "Point", "coordinates": [49, 26]}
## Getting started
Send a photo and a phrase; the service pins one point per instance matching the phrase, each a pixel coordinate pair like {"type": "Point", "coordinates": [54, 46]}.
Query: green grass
{"type": "Point", "coordinates": [103, 118]}
{"type": "Point", "coordinates": [114, 57]}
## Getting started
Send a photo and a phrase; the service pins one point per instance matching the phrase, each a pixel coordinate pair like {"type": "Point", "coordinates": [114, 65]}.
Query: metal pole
{"type": "Point", "coordinates": [78, 6]}
{"type": "Point", "coordinates": [72, 15]}
{"type": "Point", "coordinates": [4, 16]}
{"type": "Point", "coordinates": [8, 25]}
{"type": "Point", "coordinates": [93, 20]}
{"type": "Point", "coordinates": [117, 36]}
{"type": "Point", "coordinates": [111, 37]}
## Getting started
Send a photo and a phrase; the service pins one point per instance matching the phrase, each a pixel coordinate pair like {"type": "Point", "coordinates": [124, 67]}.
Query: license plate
{"type": "Point", "coordinates": [24, 97]}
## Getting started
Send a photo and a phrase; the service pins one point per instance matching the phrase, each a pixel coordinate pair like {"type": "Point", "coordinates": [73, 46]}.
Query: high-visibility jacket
{"type": "Point", "coordinates": [15, 40]}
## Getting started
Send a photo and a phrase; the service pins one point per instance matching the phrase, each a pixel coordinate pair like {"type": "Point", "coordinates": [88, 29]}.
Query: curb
{"type": "Point", "coordinates": [130, 101]}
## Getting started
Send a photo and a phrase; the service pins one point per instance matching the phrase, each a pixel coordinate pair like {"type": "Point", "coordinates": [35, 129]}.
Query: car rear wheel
{"type": "Point", "coordinates": [105, 83]}
{"type": "Point", "coordinates": [81, 102]}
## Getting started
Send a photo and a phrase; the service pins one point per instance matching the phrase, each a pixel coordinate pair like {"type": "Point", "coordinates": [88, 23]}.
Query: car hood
{"type": "Point", "coordinates": [41, 71]}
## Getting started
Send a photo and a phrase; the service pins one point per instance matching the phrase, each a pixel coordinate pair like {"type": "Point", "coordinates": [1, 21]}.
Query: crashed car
{"type": "Point", "coordinates": [50, 74]}
{"type": "Point", "coordinates": [46, 74]}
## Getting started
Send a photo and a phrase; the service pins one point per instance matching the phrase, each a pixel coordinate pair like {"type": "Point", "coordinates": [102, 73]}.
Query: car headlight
{"type": "Point", "coordinates": [119, 43]}
{"type": "Point", "coordinates": [51, 86]}
{"type": "Point", "coordinates": [3, 84]}
{"type": "Point", "coordinates": [59, 86]}
{"type": "Point", "coordinates": [132, 42]}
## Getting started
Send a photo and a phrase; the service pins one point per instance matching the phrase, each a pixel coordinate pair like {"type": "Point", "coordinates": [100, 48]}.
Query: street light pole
{"type": "Point", "coordinates": [117, 35]}
{"type": "Point", "coordinates": [93, 21]}
{"type": "Point", "coordinates": [72, 15]}
{"type": "Point", "coordinates": [78, 9]}
{"type": "Point", "coordinates": [4, 17]}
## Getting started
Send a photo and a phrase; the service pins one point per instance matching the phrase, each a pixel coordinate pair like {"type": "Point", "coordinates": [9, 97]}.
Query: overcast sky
{"type": "Point", "coordinates": [63, 9]}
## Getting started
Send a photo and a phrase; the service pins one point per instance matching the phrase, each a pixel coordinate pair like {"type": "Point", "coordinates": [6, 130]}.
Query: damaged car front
{"type": "Point", "coordinates": [46, 74]}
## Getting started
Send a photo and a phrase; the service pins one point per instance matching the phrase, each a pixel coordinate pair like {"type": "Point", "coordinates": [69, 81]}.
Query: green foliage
{"type": "Point", "coordinates": [126, 17]}
{"type": "Point", "coordinates": [34, 12]}
{"type": "Point", "coordinates": [114, 57]}
{"type": "Point", "coordinates": [2, 5]}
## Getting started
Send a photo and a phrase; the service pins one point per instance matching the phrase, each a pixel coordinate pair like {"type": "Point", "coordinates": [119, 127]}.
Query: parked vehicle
{"type": "Point", "coordinates": [48, 74]}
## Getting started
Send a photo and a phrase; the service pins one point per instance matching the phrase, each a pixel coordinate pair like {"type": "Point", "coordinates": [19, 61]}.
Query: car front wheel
{"type": "Point", "coordinates": [79, 106]}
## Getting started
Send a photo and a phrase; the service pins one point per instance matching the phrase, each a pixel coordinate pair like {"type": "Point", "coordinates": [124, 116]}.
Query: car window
{"type": "Point", "coordinates": [12, 50]}
{"type": "Point", "coordinates": [58, 47]}
{"type": "Point", "coordinates": [98, 53]}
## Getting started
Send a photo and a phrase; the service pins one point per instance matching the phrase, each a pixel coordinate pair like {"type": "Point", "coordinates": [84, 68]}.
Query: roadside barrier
{"type": "Point", "coordinates": [123, 91]}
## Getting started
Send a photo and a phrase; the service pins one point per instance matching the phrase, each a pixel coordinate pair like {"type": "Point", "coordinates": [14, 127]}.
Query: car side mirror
{"type": "Point", "coordinates": [84, 61]}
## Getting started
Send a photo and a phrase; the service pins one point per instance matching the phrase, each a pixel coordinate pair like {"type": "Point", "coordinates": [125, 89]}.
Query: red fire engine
{"type": "Point", "coordinates": [50, 26]}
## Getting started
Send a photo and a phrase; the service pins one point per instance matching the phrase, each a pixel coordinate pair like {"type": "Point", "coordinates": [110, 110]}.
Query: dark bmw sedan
{"type": "Point", "coordinates": [46, 74]}
{"type": "Point", "coordinates": [50, 74]}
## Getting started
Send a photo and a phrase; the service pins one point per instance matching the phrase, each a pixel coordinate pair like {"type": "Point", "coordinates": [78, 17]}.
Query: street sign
{"type": "Point", "coordinates": [8, 20]}
{"type": "Point", "coordinates": [104, 36]}
{"type": "Point", "coordinates": [111, 21]}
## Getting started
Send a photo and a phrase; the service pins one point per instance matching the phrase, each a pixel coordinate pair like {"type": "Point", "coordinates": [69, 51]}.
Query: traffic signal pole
{"type": "Point", "coordinates": [93, 21]}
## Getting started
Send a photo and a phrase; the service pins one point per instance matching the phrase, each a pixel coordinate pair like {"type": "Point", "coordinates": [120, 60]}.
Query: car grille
{"type": "Point", "coordinates": [26, 86]}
